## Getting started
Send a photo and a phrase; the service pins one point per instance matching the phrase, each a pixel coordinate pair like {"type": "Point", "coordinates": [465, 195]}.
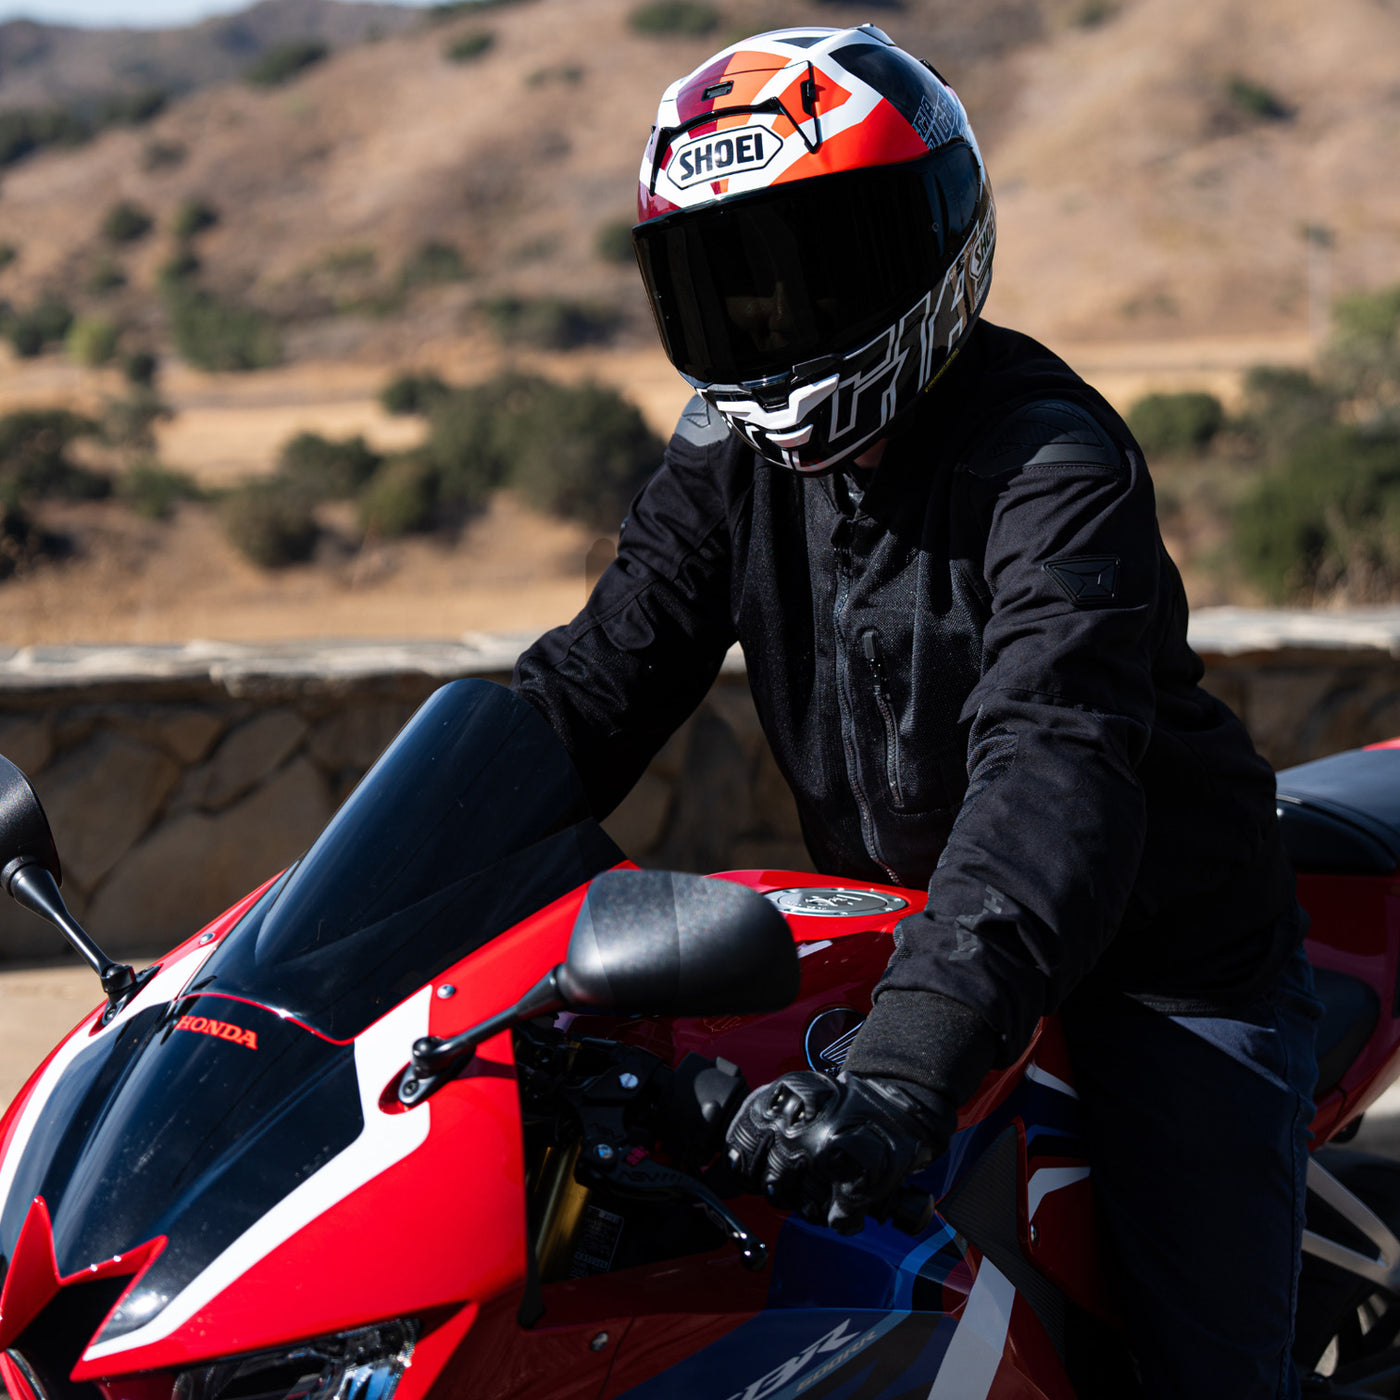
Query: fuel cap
{"type": "Point", "coordinates": [835, 903]}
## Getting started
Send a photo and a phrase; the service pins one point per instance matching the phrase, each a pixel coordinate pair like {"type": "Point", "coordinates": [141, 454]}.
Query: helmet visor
{"type": "Point", "coordinates": [747, 288]}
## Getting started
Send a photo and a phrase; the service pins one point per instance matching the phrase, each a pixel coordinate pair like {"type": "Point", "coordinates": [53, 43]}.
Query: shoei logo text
{"type": "Point", "coordinates": [222, 1029]}
{"type": "Point", "coordinates": [718, 156]}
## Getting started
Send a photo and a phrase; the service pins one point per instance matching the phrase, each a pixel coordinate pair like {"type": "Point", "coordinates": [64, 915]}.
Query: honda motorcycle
{"type": "Point", "coordinates": [439, 1112]}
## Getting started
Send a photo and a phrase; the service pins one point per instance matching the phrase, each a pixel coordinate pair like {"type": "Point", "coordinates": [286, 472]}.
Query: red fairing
{"type": "Point", "coordinates": [469, 1171]}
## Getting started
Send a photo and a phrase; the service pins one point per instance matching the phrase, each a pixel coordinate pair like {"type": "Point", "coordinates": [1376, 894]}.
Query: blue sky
{"type": "Point", "coordinates": [145, 14]}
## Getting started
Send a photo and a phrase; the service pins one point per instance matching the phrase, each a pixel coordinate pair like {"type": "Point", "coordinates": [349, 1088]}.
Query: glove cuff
{"type": "Point", "coordinates": [924, 1039]}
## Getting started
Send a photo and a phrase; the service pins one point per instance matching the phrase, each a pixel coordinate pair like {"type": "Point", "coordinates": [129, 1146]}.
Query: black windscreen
{"type": "Point", "coordinates": [472, 820]}
{"type": "Point", "coordinates": [751, 286]}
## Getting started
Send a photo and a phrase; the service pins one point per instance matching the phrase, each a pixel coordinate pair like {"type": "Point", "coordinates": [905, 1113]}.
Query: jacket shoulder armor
{"type": "Point", "coordinates": [700, 425]}
{"type": "Point", "coordinates": [1049, 432]}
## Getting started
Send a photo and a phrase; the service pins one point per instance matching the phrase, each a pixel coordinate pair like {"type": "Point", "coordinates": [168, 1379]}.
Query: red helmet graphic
{"type": "Point", "coordinates": [816, 234]}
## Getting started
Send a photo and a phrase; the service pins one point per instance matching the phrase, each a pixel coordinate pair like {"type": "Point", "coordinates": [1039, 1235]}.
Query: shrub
{"type": "Point", "coordinates": [464, 449]}
{"type": "Point", "coordinates": [1364, 356]}
{"type": "Point", "coordinates": [182, 265]}
{"type": "Point", "coordinates": [24, 336]}
{"type": "Point", "coordinates": [20, 540]}
{"type": "Point", "coordinates": [163, 155]}
{"type": "Point", "coordinates": [44, 324]}
{"type": "Point", "coordinates": [1255, 100]}
{"type": "Point", "coordinates": [689, 18]}
{"type": "Point", "coordinates": [125, 222]}
{"type": "Point", "coordinates": [34, 460]}
{"type": "Point", "coordinates": [568, 73]}
{"type": "Point", "coordinates": [25, 130]}
{"type": "Point", "coordinates": [1176, 424]}
{"type": "Point", "coordinates": [413, 393]}
{"type": "Point", "coordinates": [92, 340]}
{"type": "Point", "coordinates": [193, 216]}
{"type": "Point", "coordinates": [1093, 13]}
{"type": "Point", "coordinates": [269, 523]}
{"type": "Point", "coordinates": [1326, 523]}
{"type": "Point", "coordinates": [106, 276]}
{"type": "Point", "coordinates": [283, 62]}
{"type": "Point", "coordinates": [613, 242]}
{"type": "Point", "coordinates": [433, 262]}
{"type": "Point", "coordinates": [154, 491]}
{"type": "Point", "coordinates": [1281, 404]}
{"type": "Point", "coordinates": [140, 368]}
{"type": "Point", "coordinates": [325, 470]}
{"type": "Point", "coordinates": [8, 253]}
{"type": "Point", "coordinates": [466, 47]}
{"type": "Point", "coordinates": [400, 497]}
{"type": "Point", "coordinates": [129, 423]}
{"type": "Point", "coordinates": [131, 108]}
{"type": "Point", "coordinates": [550, 323]}
{"type": "Point", "coordinates": [580, 451]}
{"type": "Point", "coordinates": [53, 316]}
{"type": "Point", "coordinates": [214, 334]}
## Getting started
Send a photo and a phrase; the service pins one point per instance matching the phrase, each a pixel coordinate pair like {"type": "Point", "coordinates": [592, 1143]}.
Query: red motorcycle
{"type": "Point", "coordinates": [439, 1112]}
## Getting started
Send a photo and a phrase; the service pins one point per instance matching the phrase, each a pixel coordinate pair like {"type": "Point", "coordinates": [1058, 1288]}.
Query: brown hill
{"type": "Point", "coordinates": [1156, 165]}
{"type": "Point", "coordinates": [55, 64]}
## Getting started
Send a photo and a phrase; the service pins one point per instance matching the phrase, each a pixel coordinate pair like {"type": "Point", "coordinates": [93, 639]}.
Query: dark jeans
{"type": "Point", "coordinates": [1198, 1132]}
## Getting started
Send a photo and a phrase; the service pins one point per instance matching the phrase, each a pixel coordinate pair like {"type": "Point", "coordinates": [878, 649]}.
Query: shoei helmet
{"type": "Point", "coordinates": [816, 233]}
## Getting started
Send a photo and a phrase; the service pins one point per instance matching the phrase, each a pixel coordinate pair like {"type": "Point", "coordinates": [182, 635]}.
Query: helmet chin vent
{"type": "Point", "coordinates": [798, 437]}
{"type": "Point", "coordinates": [771, 395]}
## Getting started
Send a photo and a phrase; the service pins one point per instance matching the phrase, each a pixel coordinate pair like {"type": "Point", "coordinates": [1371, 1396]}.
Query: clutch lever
{"type": "Point", "coordinates": [649, 1178]}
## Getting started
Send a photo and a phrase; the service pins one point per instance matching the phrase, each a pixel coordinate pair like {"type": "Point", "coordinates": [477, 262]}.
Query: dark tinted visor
{"type": "Point", "coordinates": [748, 287]}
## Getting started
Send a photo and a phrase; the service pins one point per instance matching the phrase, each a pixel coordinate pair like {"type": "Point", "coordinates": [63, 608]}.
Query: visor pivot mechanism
{"type": "Point", "coordinates": [774, 106]}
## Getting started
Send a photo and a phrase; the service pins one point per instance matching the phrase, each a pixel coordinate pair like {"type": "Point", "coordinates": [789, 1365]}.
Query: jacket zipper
{"type": "Point", "coordinates": [870, 646]}
{"type": "Point", "coordinates": [843, 698]}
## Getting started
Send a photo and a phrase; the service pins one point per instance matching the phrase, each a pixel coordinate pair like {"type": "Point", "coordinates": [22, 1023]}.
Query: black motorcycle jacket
{"type": "Point", "coordinates": [971, 666]}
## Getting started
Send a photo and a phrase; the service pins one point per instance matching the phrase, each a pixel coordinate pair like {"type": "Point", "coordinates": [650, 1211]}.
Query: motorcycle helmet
{"type": "Point", "coordinates": [815, 234]}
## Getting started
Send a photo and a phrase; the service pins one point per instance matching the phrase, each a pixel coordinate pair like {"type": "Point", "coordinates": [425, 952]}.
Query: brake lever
{"type": "Point", "coordinates": [649, 1177]}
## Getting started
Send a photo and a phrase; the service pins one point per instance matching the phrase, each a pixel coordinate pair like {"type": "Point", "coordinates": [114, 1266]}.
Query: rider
{"type": "Point", "coordinates": [967, 647]}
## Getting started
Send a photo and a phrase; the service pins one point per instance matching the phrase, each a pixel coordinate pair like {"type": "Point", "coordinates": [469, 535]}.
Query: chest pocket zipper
{"type": "Point", "coordinates": [870, 649]}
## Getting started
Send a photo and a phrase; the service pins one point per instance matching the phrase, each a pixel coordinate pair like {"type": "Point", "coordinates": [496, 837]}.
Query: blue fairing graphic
{"type": "Point", "coordinates": [861, 1317]}
{"type": "Point", "coordinates": [820, 1355]}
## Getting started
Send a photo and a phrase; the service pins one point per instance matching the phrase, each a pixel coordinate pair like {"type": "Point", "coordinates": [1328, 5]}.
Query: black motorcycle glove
{"type": "Point", "coordinates": [836, 1149]}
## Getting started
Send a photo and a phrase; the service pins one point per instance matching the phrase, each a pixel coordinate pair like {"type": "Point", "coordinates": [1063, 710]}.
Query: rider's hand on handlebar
{"type": "Point", "coordinates": [836, 1149]}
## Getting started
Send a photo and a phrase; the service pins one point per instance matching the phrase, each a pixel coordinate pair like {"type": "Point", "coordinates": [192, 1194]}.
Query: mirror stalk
{"type": "Point", "coordinates": [31, 885]}
{"type": "Point", "coordinates": [435, 1061]}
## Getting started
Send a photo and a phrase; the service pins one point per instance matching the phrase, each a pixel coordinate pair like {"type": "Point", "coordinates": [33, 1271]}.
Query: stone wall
{"type": "Point", "coordinates": [177, 778]}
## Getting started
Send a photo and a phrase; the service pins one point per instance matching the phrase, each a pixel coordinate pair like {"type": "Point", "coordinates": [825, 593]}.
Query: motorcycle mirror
{"type": "Point", "coordinates": [645, 941]}
{"type": "Point", "coordinates": [677, 945]}
{"type": "Point", "coordinates": [25, 835]}
{"type": "Point", "coordinates": [31, 874]}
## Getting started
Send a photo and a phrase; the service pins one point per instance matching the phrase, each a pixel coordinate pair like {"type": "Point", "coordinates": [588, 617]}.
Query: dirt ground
{"type": "Point", "coordinates": [37, 1006]}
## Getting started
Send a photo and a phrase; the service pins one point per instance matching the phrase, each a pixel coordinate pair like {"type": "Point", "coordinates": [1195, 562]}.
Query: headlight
{"type": "Point", "coordinates": [361, 1365]}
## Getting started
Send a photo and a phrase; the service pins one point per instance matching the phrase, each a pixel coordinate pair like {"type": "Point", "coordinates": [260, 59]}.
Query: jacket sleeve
{"type": "Point", "coordinates": [619, 679]}
{"type": "Point", "coordinates": [1037, 871]}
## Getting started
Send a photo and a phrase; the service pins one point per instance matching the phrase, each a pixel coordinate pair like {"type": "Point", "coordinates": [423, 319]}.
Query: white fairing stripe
{"type": "Point", "coordinates": [1049, 1179]}
{"type": "Point", "coordinates": [164, 987]}
{"type": "Point", "coordinates": [1041, 1076]}
{"type": "Point", "coordinates": [971, 1361]}
{"type": "Point", "coordinates": [387, 1138]}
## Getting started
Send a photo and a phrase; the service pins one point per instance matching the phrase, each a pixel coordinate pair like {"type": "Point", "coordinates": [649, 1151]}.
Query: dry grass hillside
{"type": "Point", "coordinates": [1182, 186]}
{"type": "Point", "coordinates": [1141, 194]}
{"type": "Point", "coordinates": [46, 63]}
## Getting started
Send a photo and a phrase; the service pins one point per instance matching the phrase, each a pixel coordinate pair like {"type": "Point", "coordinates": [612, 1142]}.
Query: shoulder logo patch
{"type": "Point", "coordinates": [1087, 580]}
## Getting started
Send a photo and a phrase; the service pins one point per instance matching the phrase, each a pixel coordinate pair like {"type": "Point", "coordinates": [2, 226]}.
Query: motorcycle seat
{"type": "Point", "coordinates": [1350, 1009]}
{"type": "Point", "coordinates": [1341, 815]}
